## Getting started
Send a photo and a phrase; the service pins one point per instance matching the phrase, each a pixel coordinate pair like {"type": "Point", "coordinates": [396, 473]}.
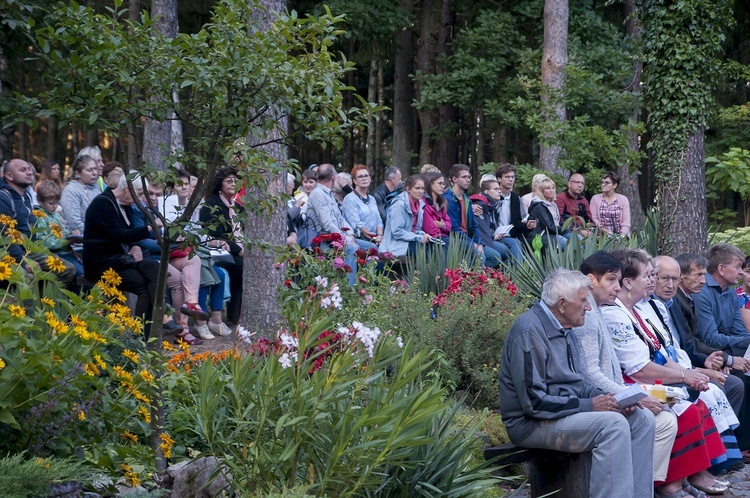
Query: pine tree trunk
{"type": "Point", "coordinates": [403, 112]}
{"type": "Point", "coordinates": [428, 118]}
{"type": "Point", "coordinates": [372, 92]}
{"type": "Point", "coordinates": [260, 307]}
{"type": "Point", "coordinates": [682, 205]}
{"type": "Point", "coordinates": [447, 143]}
{"type": "Point", "coordinates": [134, 10]}
{"type": "Point", "coordinates": [554, 60]}
{"type": "Point", "coordinates": [157, 137]}
{"type": "Point", "coordinates": [629, 174]}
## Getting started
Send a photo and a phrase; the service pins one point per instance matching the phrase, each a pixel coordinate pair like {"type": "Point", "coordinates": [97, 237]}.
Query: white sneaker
{"type": "Point", "coordinates": [220, 328]}
{"type": "Point", "coordinates": [203, 332]}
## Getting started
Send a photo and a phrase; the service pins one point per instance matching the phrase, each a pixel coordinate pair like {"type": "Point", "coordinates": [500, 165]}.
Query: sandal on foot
{"type": "Point", "coordinates": [187, 337]}
{"type": "Point", "coordinates": [194, 310]}
{"type": "Point", "coordinates": [715, 489]}
{"type": "Point", "coordinates": [690, 489]}
{"type": "Point", "coordinates": [677, 494]}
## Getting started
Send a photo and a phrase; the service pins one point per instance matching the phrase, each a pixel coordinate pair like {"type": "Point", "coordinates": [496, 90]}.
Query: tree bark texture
{"type": "Point", "coordinates": [428, 118]}
{"type": "Point", "coordinates": [134, 10]}
{"type": "Point", "coordinates": [380, 121]}
{"type": "Point", "coordinates": [260, 306]}
{"type": "Point", "coordinates": [629, 173]}
{"type": "Point", "coordinates": [403, 112]}
{"type": "Point", "coordinates": [554, 60]}
{"type": "Point", "coordinates": [447, 142]}
{"type": "Point", "coordinates": [372, 96]}
{"type": "Point", "coordinates": [157, 137]}
{"type": "Point", "coordinates": [682, 203]}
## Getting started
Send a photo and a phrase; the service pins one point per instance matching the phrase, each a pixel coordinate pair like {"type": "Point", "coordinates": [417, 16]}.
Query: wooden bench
{"type": "Point", "coordinates": [564, 475]}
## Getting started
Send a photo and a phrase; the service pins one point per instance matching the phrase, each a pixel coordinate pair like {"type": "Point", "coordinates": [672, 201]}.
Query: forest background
{"type": "Point", "coordinates": [561, 86]}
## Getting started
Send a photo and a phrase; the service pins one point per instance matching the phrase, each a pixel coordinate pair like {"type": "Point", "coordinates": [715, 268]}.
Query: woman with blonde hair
{"type": "Point", "coordinates": [545, 211]}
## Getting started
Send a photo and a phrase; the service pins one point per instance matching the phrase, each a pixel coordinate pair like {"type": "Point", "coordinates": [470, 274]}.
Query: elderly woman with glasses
{"type": "Point", "coordinates": [610, 211]}
{"type": "Point", "coordinates": [219, 214]}
{"type": "Point", "coordinates": [361, 211]}
{"type": "Point", "coordinates": [647, 352]}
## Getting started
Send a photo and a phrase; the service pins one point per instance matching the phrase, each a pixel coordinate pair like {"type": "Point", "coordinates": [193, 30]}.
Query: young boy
{"type": "Point", "coordinates": [51, 226]}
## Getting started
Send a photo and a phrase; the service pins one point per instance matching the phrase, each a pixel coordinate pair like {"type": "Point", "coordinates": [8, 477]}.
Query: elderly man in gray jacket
{"type": "Point", "coordinates": [544, 403]}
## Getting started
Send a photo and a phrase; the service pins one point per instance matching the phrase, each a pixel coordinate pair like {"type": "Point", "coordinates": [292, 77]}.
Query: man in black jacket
{"type": "Point", "coordinates": [15, 202]}
{"type": "Point", "coordinates": [381, 192]}
{"type": "Point", "coordinates": [511, 212]}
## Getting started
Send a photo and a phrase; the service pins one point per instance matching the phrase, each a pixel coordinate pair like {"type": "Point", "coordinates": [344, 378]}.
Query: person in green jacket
{"type": "Point", "coordinates": [50, 225]}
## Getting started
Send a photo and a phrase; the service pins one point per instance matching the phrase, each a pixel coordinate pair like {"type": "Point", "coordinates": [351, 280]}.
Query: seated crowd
{"type": "Point", "coordinates": [628, 319]}
{"type": "Point", "coordinates": [92, 224]}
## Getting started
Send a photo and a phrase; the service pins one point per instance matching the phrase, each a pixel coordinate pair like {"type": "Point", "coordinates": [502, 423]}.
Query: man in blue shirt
{"type": "Point", "coordinates": [719, 322]}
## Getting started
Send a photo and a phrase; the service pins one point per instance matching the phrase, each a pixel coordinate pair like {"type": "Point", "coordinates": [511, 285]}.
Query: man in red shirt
{"type": "Point", "coordinates": [572, 203]}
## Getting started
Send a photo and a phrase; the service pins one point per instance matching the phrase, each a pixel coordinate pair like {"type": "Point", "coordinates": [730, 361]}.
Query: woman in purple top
{"type": "Point", "coordinates": [610, 211]}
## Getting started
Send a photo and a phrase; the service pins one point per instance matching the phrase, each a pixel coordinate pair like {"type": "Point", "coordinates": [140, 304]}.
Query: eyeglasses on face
{"type": "Point", "coordinates": [230, 180]}
{"type": "Point", "coordinates": [665, 279]}
{"type": "Point", "coordinates": [362, 177]}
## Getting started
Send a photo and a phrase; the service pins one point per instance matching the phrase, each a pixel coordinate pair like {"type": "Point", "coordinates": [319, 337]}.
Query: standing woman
{"type": "Point", "coordinates": [610, 211]}
{"type": "Point", "coordinates": [404, 220]}
{"type": "Point", "coordinates": [79, 192]}
{"type": "Point", "coordinates": [361, 211]}
{"type": "Point", "coordinates": [219, 215]}
{"type": "Point", "coordinates": [437, 223]}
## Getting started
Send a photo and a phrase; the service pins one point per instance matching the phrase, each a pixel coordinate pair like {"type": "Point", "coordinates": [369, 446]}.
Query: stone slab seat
{"type": "Point", "coordinates": [564, 474]}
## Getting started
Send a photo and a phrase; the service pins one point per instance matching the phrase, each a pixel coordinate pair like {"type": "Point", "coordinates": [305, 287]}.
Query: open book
{"type": "Point", "coordinates": [630, 396]}
{"type": "Point", "coordinates": [505, 230]}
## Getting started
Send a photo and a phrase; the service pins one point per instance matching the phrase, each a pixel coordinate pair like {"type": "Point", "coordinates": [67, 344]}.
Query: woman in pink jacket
{"type": "Point", "coordinates": [436, 223]}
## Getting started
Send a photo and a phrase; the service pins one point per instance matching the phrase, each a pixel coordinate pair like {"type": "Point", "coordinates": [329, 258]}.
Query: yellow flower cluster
{"type": "Point", "coordinates": [55, 324]}
{"type": "Point", "coordinates": [56, 230]}
{"type": "Point", "coordinates": [166, 445]}
{"type": "Point", "coordinates": [16, 310]}
{"type": "Point", "coordinates": [79, 413]}
{"type": "Point", "coordinates": [10, 229]}
{"type": "Point", "coordinates": [5, 271]}
{"type": "Point", "coordinates": [131, 355]}
{"type": "Point", "coordinates": [121, 372]}
{"type": "Point", "coordinates": [120, 315]}
{"type": "Point", "coordinates": [147, 376]}
{"type": "Point", "coordinates": [55, 264]}
{"type": "Point", "coordinates": [91, 369]}
{"type": "Point", "coordinates": [129, 436]}
{"type": "Point", "coordinates": [99, 362]}
{"type": "Point", "coordinates": [83, 333]}
{"type": "Point", "coordinates": [47, 301]}
{"type": "Point", "coordinates": [2, 363]}
{"type": "Point", "coordinates": [38, 213]}
{"type": "Point", "coordinates": [144, 414]}
{"type": "Point", "coordinates": [130, 476]}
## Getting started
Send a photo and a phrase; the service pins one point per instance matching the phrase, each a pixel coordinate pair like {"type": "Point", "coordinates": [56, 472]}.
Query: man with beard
{"type": "Point", "coordinates": [16, 203]}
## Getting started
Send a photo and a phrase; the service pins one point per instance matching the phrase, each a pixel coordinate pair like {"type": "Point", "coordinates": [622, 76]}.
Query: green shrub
{"type": "Point", "coordinates": [465, 325]}
{"type": "Point", "coordinates": [22, 478]}
{"type": "Point", "coordinates": [740, 237]}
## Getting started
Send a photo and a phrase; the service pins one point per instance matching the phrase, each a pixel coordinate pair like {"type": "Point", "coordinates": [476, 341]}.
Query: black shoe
{"type": "Point", "coordinates": [194, 310]}
{"type": "Point", "coordinates": [171, 327]}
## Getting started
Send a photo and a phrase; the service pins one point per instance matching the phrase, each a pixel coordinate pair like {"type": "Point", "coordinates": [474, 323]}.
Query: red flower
{"type": "Point", "coordinates": [287, 283]}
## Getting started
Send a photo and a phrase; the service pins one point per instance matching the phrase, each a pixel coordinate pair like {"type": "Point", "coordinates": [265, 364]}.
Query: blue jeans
{"type": "Point", "coordinates": [215, 291]}
{"type": "Point", "coordinates": [514, 246]}
{"type": "Point", "coordinates": [492, 257]}
{"type": "Point", "coordinates": [350, 258]}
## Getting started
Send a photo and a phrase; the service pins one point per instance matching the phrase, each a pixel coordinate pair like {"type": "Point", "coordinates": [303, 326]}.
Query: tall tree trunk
{"type": "Point", "coordinates": [380, 121]}
{"type": "Point", "coordinates": [446, 153]}
{"type": "Point", "coordinates": [630, 173]}
{"type": "Point", "coordinates": [350, 103]}
{"type": "Point", "coordinates": [260, 306]}
{"type": "Point", "coordinates": [157, 137]}
{"type": "Point", "coordinates": [134, 10]}
{"type": "Point", "coordinates": [6, 133]}
{"type": "Point", "coordinates": [682, 213]}
{"type": "Point", "coordinates": [554, 60]}
{"type": "Point", "coordinates": [51, 143]}
{"type": "Point", "coordinates": [403, 112]}
{"type": "Point", "coordinates": [372, 95]}
{"type": "Point", "coordinates": [428, 118]}
{"type": "Point", "coordinates": [92, 137]}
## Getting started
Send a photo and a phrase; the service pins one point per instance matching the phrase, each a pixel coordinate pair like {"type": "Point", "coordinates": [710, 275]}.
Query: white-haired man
{"type": "Point", "coordinates": [544, 403]}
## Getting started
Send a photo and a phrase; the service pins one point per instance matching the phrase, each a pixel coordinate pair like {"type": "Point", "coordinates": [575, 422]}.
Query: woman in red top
{"type": "Point", "coordinates": [436, 223]}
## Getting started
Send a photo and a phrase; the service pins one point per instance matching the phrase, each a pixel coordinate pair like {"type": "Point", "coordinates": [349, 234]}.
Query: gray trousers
{"type": "Point", "coordinates": [609, 436]}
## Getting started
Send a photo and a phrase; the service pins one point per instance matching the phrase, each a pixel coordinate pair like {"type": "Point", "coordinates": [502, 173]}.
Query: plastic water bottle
{"type": "Point", "coordinates": [658, 391]}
